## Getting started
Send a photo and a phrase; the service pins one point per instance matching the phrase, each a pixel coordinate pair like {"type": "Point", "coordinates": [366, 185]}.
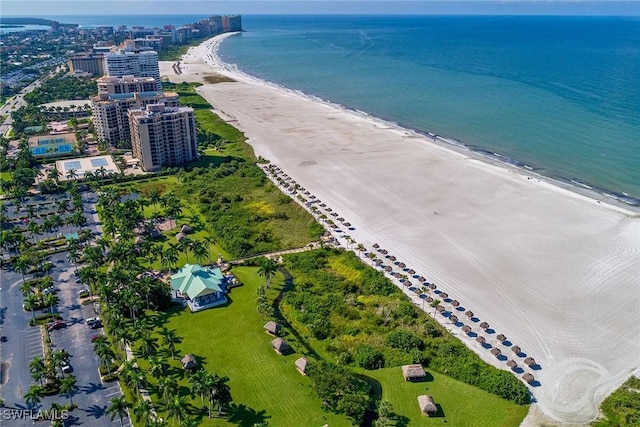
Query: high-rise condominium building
{"type": "Point", "coordinates": [91, 63]}
{"type": "Point", "coordinates": [163, 136]}
{"type": "Point", "coordinates": [116, 95]}
{"type": "Point", "coordinates": [138, 64]}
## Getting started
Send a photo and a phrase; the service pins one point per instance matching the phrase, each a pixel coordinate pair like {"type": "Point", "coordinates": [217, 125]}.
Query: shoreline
{"type": "Point", "coordinates": [592, 191]}
{"type": "Point", "coordinates": [509, 245]}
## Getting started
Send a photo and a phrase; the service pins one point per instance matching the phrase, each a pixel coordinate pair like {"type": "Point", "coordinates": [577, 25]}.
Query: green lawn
{"type": "Point", "coordinates": [264, 385]}
{"type": "Point", "coordinates": [460, 404]}
{"type": "Point", "coordinates": [5, 176]}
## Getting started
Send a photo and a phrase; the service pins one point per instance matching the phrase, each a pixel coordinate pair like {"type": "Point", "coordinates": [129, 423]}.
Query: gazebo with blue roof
{"type": "Point", "coordinates": [201, 287]}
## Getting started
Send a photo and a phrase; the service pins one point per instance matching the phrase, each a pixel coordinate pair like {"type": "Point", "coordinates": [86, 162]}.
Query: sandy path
{"type": "Point", "coordinates": [556, 272]}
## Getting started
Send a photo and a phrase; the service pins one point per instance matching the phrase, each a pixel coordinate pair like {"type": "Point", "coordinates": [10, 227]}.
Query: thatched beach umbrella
{"type": "Point", "coordinates": [440, 309]}
{"type": "Point", "coordinates": [455, 303]}
{"type": "Point", "coordinates": [412, 272]}
{"type": "Point", "coordinates": [454, 319]}
{"type": "Point", "coordinates": [417, 291]}
{"type": "Point", "coordinates": [323, 205]}
{"type": "Point", "coordinates": [388, 268]}
{"type": "Point", "coordinates": [376, 246]}
{"type": "Point", "coordinates": [444, 295]}
{"type": "Point", "coordinates": [334, 214]}
{"type": "Point", "coordinates": [402, 265]}
{"type": "Point", "coordinates": [484, 325]}
{"type": "Point", "coordinates": [384, 252]}
{"type": "Point", "coordinates": [530, 361]}
{"type": "Point", "coordinates": [429, 299]}
{"type": "Point", "coordinates": [312, 196]}
{"type": "Point", "coordinates": [407, 283]}
{"type": "Point", "coordinates": [341, 219]}
{"type": "Point", "coordinates": [469, 313]}
{"type": "Point", "coordinates": [392, 258]}
{"type": "Point", "coordinates": [329, 210]}
{"type": "Point", "coordinates": [432, 286]}
{"type": "Point", "coordinates": [496, 352]}
{"type": "Point", "coordinates": [516, 349]}
{"type": "Point", "coordinates": [421, 279]}
{"type": "Point", "coordinates": [347, 224]}
{"type": "Point", "coordinates": [481, 339]}
{"type": "Point", "coordinates": [528, 378]}
{"type": "Point", "coordinates": [466, 329]}
{"type": "Point", "coordinates": [501, 338]}
{"type": "Point", "coordinates": [512, 363]}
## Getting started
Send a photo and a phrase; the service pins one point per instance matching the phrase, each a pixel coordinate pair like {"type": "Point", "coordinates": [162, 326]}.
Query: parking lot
{"type": "Point", "coordinates": [21, 343]}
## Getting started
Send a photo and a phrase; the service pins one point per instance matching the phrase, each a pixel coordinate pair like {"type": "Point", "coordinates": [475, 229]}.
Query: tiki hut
{"type": "Point", "coordinates": [528, 378]}
{"type": "Point", "coordinates": [469, 313]}
{"type": "Point", "coordinates": [501, 338]}
{"type": "Point", "coordinates": [440, 309]}
{"type": "Point", "coordinates": [432, 286]}
{"type": "Point", "coordinates": [422, 279]}
{"type": "Point", "coordinates": [280, 346]}
{"type": "Point", "coordinates": [185, 229]}
{"type": "Point", "coordinates": [189, 362]}
{"type": "Point", "coordinates": [180, 237]}
{"type": "Point", "coordinates": [444, 295]}
{"type": "Point", "coordinates": [481, 339]}
{"type": "Point", "coordinates": [530, 361]}
{"type": "Point", "coordinates": [516, 349]}
{"type": "Point", "coordinates": [413, 372]}
{"type": "Point", "coordinates": [272, 328]}
{"type": "Point", "coordinates": [512, 363]}
{"type": "Point", "coordinates": [376, 246]}
{"type": "Point", "coordinates": [455, 303]}
{"type": "Point", "coordinates": [301, 365]}
{"type": "Point", "coordinates": [454, 319]}
{"type": "Point", "coordinates": [427, 405]}
{"type": "Point", "coordinates": [496, 352]}
{"type": "Point", "coordinates": [466, 329]}
{"type": "Point", "coordinates": [484, 325]}
{"type": "Point", "coordinates": [412, 271]}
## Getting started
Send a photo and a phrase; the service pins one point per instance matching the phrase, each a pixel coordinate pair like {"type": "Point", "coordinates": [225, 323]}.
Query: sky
{"type": "Point", "coordinates": [258, 7]}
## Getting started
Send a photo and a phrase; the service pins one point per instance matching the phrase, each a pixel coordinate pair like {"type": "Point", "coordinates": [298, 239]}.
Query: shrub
{"type": "Point", "coordinates": [404, 340]}
{"type": "Point", "coordinates": [369, 357]}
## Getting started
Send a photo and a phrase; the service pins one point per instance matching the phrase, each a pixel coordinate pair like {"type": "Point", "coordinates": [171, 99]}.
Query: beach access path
{"type": "Point", "coordinates": [554, 271]}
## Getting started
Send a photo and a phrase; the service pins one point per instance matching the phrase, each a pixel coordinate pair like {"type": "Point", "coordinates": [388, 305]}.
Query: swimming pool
{"type": "Point", "coordinates": [75, 165]}
{"type": "Point", "coordinates": [96, 163]}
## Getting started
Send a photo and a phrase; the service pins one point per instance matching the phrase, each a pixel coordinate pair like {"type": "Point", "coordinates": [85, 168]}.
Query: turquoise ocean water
{"type": "Point", "coordinates": [558, 94]}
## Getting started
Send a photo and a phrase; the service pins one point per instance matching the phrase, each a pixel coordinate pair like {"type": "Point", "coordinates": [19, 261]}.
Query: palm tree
{"type": "Point", "coordinates": [154, 199]}
{"type": "Point", "coordinates": [34, 396]}
{"type": "Point", "coordinates": [118, 408]}
{"type": "Point", "coordinates": [185, 245]}
{"type": "Point", "coordinates": [106, 355]}
{"type": "Point", "coordinates": [31, 302]}
{"type": "Point", "coordinates": [58, 358]}
{"type": "Point", "coordinates": [267, 269]}
{"type": "Point", "coordinates": [158, 368]}
{"type": "Point", "coordinates": [200, 251]}
{"type": "Point", "coordinates": [22, 266]}
{"type": "Point", "coordinates": [168, 387]}
{"type": "Point", "coordinates": [219, 393]}
{"type": "Point", "coordinates": [176, 408]}
{"type": "Point", "coordinates": [170, 339]}
{"type": "Point", "coordinates": [199, 384]}
{"type": "Point", "coordinates": [132, 376]}
{"type": "Point", "coordinates": [26, 289]}
{"type": "Point", "coordinates": [144, 411]}
{"type": "Point", "coordinates": [71, 174]}
{"type": "Point", "coordinates": [37, 369]}
{"type": "Point", "coordinates": [68, 386]}
{"type": "Point", "coordinates": [148, 346]}
{"type": "Point", "coordinates": [50, 301]}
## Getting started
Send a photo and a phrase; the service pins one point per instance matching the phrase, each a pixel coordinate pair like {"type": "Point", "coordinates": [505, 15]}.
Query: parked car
{"type": "Point", "coordinates": [67, 368]}
{"type": "Point", "coordinates": [83, 293]}
{"type": "Point", "coordinates": [90, 321]}
{"type": "Point", "coordinates": [95, 325]}
{"type": "Point", "coordinates": [58, 324]}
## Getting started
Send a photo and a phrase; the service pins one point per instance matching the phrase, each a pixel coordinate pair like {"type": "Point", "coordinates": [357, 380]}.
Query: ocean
{"type": "Point", "coordinates": [557, 95]}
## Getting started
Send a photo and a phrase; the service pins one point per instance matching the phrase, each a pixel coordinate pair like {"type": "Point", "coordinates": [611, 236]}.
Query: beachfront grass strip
{"type": "Point", "coordinates": [352, 314]}
{"type": "Point", "coordinates": [230, 340]}
{"type": "Point", "coordinates": [622, 407]}
{"type": "Point", "coordinates": [461, 405]}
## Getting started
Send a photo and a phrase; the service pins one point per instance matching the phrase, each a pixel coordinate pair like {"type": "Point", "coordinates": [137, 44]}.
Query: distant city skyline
{"type": "Point", "coordinates": [44, 8]}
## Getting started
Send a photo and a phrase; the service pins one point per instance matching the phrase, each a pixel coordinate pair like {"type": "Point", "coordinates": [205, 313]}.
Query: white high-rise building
{"type": "Point", "coordinates": [163, 136]}
{"type": "Point", "coordinates": [139, 64]}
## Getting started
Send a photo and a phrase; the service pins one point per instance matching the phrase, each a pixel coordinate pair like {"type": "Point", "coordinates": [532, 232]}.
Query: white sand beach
{"type": "Point", "coordinates": [556, 272]}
